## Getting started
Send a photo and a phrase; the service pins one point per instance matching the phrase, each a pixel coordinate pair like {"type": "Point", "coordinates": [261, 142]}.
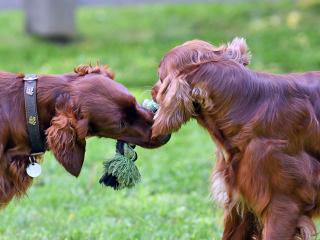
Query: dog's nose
{"type": "Point", "coordinates": [165, 139]}
{"type": "Point", "coordinates": [159, 141]}
{"type": "Point", "coordinates": [162, 139]}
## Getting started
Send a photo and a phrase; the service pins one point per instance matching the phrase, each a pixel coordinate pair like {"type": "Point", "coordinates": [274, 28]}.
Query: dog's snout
{"type": "Point", "coordinates": [146, 114]}
{"type": "Point", "coordinates": [161, 139]}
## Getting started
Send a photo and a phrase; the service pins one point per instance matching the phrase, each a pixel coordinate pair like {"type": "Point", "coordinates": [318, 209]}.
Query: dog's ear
{"type": "Point", "coordinates": [238, 51]}
{"type": "Point", "coordinates": [66, 135]}
{"type": "Point", "coordinates": [176, 106]}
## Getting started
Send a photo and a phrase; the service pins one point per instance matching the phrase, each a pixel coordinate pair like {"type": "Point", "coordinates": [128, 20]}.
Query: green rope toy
{"type": "Point", "coordinates": [121, 171]}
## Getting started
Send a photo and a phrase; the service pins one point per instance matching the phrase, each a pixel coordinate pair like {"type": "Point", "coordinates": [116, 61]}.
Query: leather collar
{"type": "Point", "coordinates": [33, 127]}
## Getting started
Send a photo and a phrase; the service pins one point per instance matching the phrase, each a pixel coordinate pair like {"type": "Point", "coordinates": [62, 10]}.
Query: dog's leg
{"type": "Point", "coordinates": [279, 218]}
{"type": "Point", "coordinates": [13, 178]}
{"type": "Point", "coordinates": [6, 185]}
{"type": "Point", "coordinates": [14, 181]}
{"type": "Point", "coordinates": [240, 224]}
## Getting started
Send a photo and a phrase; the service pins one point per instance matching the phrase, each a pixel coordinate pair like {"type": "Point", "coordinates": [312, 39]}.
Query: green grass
{"type": "Point", "coordinates": [172, 201]}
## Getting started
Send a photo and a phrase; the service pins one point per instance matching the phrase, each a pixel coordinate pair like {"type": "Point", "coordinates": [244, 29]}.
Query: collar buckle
{"type": "Point", "coordinates": [30, 77]}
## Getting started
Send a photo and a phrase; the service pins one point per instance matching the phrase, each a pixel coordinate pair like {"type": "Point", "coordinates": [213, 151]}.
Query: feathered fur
{"type": "Point", "coordinates": [266, 127]}
{"type": "Point", "coordinates": [71, 107]}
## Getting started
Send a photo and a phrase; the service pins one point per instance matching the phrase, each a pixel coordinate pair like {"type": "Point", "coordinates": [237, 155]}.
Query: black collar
{"type": "Point", "coordinates": [30, 100]}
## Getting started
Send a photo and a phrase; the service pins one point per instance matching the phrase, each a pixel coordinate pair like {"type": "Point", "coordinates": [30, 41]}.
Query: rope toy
{"type": "Point", "coordinates": [120, 171]}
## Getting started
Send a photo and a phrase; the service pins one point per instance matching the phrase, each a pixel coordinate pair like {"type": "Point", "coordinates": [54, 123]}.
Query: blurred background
{"type": "Point", "coordinates": [131, 36]}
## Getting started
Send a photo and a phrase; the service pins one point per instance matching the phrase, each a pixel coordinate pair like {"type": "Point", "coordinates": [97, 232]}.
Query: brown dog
{"type": "Point", "coordinates": [71, 107]}
{"type": "Point", "coordinates": [267, 131]}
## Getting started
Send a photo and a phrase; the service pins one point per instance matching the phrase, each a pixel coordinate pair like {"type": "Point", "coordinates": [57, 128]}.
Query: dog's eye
{"type": "Point", "coordinates": [129, 116]}
{"type": "Point", "coordinates": [197, 108]}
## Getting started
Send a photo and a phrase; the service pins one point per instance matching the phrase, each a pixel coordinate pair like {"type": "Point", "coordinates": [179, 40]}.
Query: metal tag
{"type": "Point", "coordinates": [29, 91]}
{"type": "Point", "coordinates": [34, 169]}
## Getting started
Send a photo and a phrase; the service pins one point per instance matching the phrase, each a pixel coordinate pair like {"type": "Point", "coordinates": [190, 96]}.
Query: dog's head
{"type": "Point", "coordinates": [96, 105]}
{"type": "Point", "coordinates": [176, 91]}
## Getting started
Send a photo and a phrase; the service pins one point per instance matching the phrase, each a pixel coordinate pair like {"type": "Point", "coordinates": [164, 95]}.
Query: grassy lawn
{"type": "Point", "coordinates": [172, 202]}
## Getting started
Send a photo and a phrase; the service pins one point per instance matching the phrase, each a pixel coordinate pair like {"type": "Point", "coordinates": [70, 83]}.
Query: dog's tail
{"type": "Point", "coordinates": [238, 50]}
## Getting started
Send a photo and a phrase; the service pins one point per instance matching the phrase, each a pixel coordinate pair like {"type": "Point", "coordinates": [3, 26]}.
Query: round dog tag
{"type": "Point", "coordinates": [34, 170]}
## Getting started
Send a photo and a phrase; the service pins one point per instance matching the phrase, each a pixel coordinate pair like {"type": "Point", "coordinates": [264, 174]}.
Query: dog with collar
{"type": "Point", "coordinates": [58, 113]}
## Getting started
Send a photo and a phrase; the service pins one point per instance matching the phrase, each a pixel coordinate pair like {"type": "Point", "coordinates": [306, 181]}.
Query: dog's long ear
{"type": "Point", "coordinates": [238, 51]}
{"type": "Point", "coordinates": [176, 106]}
{"type": "Point", "coordinates": [66, 135]}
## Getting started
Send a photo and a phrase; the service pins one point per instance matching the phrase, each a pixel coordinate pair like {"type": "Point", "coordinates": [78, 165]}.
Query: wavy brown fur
{"type": "Point", "coordinates": [71, 107]}
{"type": "Point", "coordinates": [84, 69]}
{"type": "Point", "coordinates": [267, 131]}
